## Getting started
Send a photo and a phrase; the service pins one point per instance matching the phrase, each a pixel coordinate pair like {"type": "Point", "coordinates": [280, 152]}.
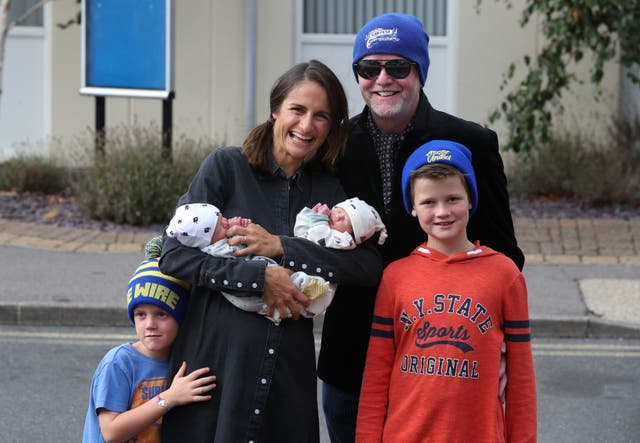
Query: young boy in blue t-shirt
{"type": "Point", "coordinates": [129, 393]}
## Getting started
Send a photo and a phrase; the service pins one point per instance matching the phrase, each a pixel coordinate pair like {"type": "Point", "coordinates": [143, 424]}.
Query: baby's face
{"type": "Point", "coordinates": [220, 231]}
{"type": "Point", "coordinates": [224, 224]}
{"type": "Point", "coordinates": [340, 221]}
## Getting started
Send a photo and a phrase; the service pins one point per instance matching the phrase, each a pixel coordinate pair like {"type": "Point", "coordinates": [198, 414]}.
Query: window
{"type": "Point", "coordinates": [347, 17]}
{"type": "Point", "coordinates": [19, 7]}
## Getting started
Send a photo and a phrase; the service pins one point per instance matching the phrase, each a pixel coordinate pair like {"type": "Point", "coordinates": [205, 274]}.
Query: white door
{"type": "Point", "coordinates": [22, 103]}
{"type": "Point", "coordinates": [327, 30]}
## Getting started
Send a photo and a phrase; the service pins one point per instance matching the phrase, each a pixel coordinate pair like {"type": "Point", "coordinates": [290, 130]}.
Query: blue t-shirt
{"type": "Point", "coordinates": [124, 379]}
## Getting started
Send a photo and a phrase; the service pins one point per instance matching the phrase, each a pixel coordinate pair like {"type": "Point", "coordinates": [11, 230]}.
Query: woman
{"type": "Point", "coordinates": [266, 374]}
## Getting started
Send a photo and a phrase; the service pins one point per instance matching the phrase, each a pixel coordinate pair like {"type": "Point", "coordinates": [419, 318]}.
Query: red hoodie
{"type": "Point", "coordinates": [433, 360]}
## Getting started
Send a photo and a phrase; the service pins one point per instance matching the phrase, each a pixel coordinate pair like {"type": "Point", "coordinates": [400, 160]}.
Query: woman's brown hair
{"type": "Point", "coordinates": [259, 142]}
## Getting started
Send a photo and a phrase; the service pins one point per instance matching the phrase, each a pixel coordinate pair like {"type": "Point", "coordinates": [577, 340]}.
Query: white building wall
{"type": "Point", "coordinates": [489, 41]}
{"type": "Point", "coordinates": [210, 70]}
{"type": "Point", "coordinates": [209, 77]}
{"type": "Point", "coordinates": [70, 113]}
{"type": "Point", "coordinates": [275, 49]}
{"type": "Point", "coordinates": [22, 119]}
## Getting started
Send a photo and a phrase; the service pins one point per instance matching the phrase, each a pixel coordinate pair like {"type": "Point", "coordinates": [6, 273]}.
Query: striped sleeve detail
{"type": "Point", "coordinates": [382, 327]}
{"type": "Point", "coordinates": [517, 330]}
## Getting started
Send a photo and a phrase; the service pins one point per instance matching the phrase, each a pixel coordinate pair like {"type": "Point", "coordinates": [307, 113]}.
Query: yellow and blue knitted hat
{"type": "Point", "coordinates": [150, 286]}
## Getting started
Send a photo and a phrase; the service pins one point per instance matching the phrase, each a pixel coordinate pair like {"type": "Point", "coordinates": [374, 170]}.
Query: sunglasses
{"type": "Point", "coordinates": [396, 68]}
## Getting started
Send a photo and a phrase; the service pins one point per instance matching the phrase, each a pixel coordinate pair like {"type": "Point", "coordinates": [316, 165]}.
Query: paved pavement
{"type": "Point", "coordinates": [583, 275]}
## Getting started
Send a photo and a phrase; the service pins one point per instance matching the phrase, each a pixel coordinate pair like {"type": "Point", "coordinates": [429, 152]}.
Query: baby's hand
{"type": "Point", "coordinates": [321, 208]}
{"type": "Point", "coordinates": [239, 221]}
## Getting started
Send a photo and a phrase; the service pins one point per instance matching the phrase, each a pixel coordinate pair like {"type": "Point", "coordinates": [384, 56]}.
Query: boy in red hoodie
{"type": "Point", "coordinates": [440, 319]}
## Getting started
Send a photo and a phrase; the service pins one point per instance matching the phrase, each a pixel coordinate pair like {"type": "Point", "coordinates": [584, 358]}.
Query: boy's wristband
{"type": "Point", "coordinates": [163, 403]}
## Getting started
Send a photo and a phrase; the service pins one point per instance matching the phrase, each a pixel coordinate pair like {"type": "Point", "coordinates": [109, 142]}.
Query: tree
{"type": "Point", "coordinates": [4, 31]}
{"type": "Point", "coordinates": [571, 28]}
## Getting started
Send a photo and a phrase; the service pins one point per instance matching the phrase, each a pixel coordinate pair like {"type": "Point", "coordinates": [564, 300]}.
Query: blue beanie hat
{"type": "Point", "coordinates": [440, 151]}
{"type": "Point", "coordinates": [150, 286]}
{"type": "Point", "coordinates": [398, 34]}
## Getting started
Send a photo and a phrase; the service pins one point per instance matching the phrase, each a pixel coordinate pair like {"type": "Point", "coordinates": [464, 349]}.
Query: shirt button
{"type": "Point", "coordinates": [256, 411]}
{"type": "Point", "coordinates": [254, 285]}
{"type": "Point", "coordinates": [318, 270]}
{"type": "Point", "coordinates": [213, 280]}
{"type": "Point", "coordinates": [271, 351]}
{"type": "Point", "coordinates": [239, 285]}
{"type": "Point", "coordinates": [225, 282]}
{"type": "Point", "coordinates": [263, 381]}
{"type": "Point", "coordinates": [304, 266]}
{"type": "Point", "coordinates": [330, 274]}
{"type": "Point", "coordinates": [291, 263]}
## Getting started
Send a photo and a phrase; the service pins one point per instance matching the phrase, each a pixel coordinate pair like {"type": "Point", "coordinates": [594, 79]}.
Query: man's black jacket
{"type": "Point", "coordinates": [347, 322]}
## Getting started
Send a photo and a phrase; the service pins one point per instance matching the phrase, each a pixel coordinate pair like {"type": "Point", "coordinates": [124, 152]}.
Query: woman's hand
{"type": "Point", "coordinates": [281, 294]}
{"type": "Point", "coordinates": [257, 239]}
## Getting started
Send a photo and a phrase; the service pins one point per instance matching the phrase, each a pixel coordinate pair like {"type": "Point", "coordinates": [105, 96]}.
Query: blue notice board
{"type": "Point", "coordinates": [127, 48]}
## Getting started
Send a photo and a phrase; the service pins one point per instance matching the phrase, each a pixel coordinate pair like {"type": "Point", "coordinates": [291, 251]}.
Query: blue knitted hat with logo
{"type": "Point", "coordinates": [440, 151]}
{"type": "Point", "coordinates": [150, 286]}
{"type": "Point", "coordinates": [398, 34]}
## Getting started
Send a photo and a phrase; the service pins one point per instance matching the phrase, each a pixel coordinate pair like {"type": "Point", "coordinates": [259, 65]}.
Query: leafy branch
{"type": "Point", "coordinates": [571, 28]}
